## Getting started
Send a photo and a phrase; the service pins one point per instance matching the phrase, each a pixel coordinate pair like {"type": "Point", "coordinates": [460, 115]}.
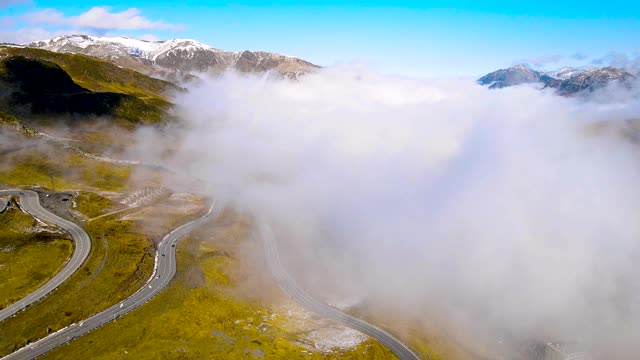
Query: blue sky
{"type": "Point", "coordinates": [402, 37]}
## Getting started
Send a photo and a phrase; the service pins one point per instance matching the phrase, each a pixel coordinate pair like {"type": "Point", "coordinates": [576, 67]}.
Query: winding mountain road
{"type": "Point", "coordinates": [288, 284]}
{"type": "Point", "coordinates": [30, 202]}
{"type": "Point", "coordinates": [163, 272]}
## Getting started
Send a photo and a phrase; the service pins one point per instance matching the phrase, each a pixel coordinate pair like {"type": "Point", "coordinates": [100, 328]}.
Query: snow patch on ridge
{"type": "Point", "coordinates": [149, 50]}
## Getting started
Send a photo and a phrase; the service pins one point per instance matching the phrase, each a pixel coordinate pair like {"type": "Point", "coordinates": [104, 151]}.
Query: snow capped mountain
{"type": "Point", "coordinates": [174, 58]}
{"type": "Point", "coordinates": [115, 45]}
{"type": "Point", "coordinates": [133, 46]}
{"type": "Point", "coordinates": [519, 74]}
{"type": "Point", "coordinates": [565, 72]}
{"type": "Point", "coordinates": [568, 81]}
{"type": "Point", "coordinates": [590, 80]}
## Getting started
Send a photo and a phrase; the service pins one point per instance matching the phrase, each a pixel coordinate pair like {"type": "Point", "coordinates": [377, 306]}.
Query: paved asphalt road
{"type": "Point", "coordinates": [30, 202]}
{"type": "Point", "coordinates": [288, 284]}
{"type": "Point", "coordinates": [164, 271]}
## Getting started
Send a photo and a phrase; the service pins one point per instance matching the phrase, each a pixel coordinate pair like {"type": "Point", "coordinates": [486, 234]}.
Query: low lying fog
{"type": "Point", "coordinates": [515, 211]}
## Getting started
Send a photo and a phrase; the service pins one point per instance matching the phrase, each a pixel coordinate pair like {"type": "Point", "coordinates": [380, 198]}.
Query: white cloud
{"type": "Point", "coordinates": [29, 34]}
{"type": "Point", "coordinates": [620, 60]}
{"type": "Point", "coordinates": [148, 37]}
{"type": "Point", "coordinates": [503, 210]}
{"type": "Point", "coordinates": [542, 60]}
{"type": "Point", "coordinates": [99, 18]}
{"type": "Point", "coordinates": [7, 3]}
{"type": "Point", "coordinates": [579, 56]}
{"type": "Point", "coordinates": [46, 16]}
{"type": "Point", "coordinates": [7, 22]}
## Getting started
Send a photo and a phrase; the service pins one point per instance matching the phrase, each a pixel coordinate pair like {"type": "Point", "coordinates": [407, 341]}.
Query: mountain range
{"type": "Point", "coordinates": [82, 76]}
{"type": "Point", "coordinates": [182, 59]}
{"type": "Point", "coordinates": [119, 77]}
{"type": "Point", "coordinates": [175, 59]}
{"type": "Point", "coordinates": [567, 81]}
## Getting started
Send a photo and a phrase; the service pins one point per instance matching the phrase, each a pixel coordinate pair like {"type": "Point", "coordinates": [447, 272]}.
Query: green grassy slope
{"type": "Point", "coordinates": [55, 83]}
{"type": "Point", "coordinates": [200, 316]}
{"type": "Point", "coordinates": [120, 262]}
{"type": "Point", "coordinates": [28, 161]}
{"type": "Point", "coordinates": [52, 168]}
{"type": "Point", "coordinates": [27, 259]}
{"type": "Point", "coordinates": [121, 257]}
{"type": "Point", "coordinates": [10, 122]}
{"type": "Point", "coordinates": [93, 205]}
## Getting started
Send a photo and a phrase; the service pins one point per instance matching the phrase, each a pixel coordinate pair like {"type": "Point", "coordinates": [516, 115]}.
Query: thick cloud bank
{"type": "Point", "coordinates": [515, 209]}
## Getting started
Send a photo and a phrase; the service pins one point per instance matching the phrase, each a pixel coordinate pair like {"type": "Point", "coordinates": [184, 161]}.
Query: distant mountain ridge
{"type": "Point", "coordinates": [519, 74]}
{"type": "Point", "coordinates": [177, 58]}
{"type": "Point", "coordinates": [568, 81]}
{"type": "Point", "coordinates": [593, 79]}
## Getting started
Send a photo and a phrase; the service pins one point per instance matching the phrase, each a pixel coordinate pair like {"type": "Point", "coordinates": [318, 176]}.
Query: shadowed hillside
{"type": "Point", "coordinates": [47, 83]}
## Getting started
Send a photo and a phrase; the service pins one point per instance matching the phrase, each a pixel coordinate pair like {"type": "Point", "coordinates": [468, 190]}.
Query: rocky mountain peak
{"type": "Point", "coordinates": [519, 74]}
{"type": "Point", "coordinates": [568, 81]}
{"type": "Point", "coordinates": [593, 79]}
{"type": "Point", "coordinates": [176, 57]}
